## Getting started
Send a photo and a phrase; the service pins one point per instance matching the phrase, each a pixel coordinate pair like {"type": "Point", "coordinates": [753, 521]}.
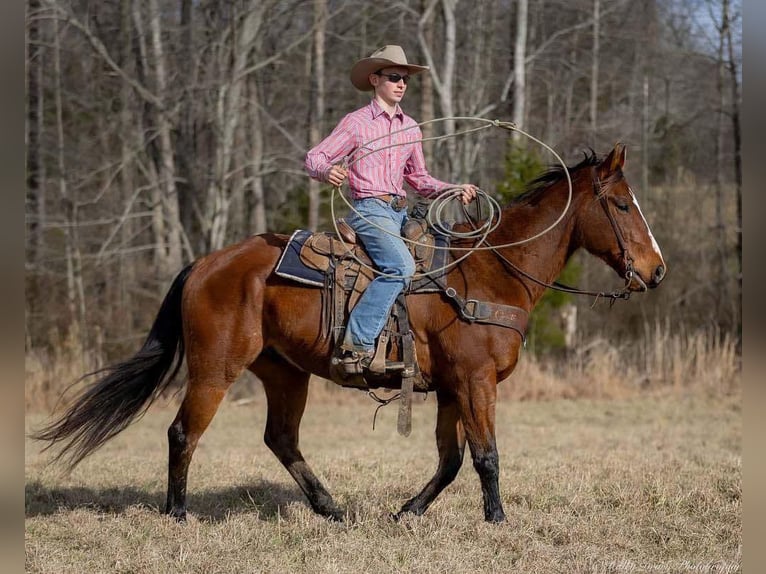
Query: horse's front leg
{"type": "Point", "coordinates": [476, 404]}
{"type": "Point", "coordinates": [450, 440]}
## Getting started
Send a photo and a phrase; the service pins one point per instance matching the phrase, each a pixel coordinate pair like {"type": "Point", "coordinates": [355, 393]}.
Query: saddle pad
{"type": "Point", "coordinates": [290, 265]}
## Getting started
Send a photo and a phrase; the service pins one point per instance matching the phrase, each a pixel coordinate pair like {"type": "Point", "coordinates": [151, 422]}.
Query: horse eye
{"type": "Point", "coordinates": [622, 206]}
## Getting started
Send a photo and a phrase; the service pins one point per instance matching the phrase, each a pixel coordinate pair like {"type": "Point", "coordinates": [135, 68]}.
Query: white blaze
{"type": "Point", "coordinates": [655, 246]}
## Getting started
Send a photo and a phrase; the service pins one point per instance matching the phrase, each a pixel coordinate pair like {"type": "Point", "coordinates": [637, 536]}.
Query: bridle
{"type": "Point", "coordinates": [627, 260]}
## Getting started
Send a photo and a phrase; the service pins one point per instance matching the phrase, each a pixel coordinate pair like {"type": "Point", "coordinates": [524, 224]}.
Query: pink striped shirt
{"type": "Point", "coordinates": [375, 172]}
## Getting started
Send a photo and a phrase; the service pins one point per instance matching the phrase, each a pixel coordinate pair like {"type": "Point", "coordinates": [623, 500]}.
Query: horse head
{"type": "Point", "coordinates": [612, 227]}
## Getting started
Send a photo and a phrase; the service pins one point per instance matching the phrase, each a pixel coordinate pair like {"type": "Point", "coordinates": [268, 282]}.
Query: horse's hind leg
{"type": "Point", "coordinates": [450, 440]}
{"type": "Point", "coordinates": [197, 410]}
{"type": "Point", "coordinates": [286, 389]}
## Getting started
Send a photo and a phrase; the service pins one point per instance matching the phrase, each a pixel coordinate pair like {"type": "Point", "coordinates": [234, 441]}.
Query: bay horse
{"type": "Point", "coordinates": [228, 312]}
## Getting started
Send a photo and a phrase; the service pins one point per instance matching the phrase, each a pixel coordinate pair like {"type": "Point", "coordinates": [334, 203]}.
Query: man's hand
{"type": "Point", "coordinates": [468, 192]}
{"type": "Point", "coordinates": [337, 175]}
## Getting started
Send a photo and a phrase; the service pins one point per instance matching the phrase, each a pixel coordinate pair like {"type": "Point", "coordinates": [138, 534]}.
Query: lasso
{"type": "Point", "coordinates": [439, 204]}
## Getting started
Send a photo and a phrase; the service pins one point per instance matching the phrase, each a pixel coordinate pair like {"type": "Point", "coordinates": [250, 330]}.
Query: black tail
{"type": "Point", "coordinates": [125, 390]}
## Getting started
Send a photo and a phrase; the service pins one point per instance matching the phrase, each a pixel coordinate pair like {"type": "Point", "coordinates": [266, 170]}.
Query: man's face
{"type": "Point", "coordinates": [391, 92]}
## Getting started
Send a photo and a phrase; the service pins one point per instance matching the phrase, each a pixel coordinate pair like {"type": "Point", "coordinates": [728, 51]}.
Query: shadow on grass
{"type": "Point", "coordinates": [264, 498]}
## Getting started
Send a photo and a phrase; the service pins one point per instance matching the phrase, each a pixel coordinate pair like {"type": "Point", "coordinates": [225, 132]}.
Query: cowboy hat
{"type": "Point", "coordinates": [385, 57]}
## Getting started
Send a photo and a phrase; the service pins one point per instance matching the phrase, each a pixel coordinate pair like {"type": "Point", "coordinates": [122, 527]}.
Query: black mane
{"type": "Point", "coordinates": [552, 175]}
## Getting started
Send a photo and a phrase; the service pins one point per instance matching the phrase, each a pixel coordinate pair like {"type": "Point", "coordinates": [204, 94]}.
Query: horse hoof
{"type": "Point", "coordinates": [397, 516]}
{"type": "Point", "coordinates": [496, 518]}
{"type": "Point", "coordinates": [335, 515]}
{"type": "Point", "coordinates": [178, 514]}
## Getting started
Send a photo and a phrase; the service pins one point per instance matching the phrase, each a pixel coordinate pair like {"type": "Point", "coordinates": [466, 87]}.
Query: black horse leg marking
{"type": "Point", "coordinates": [286, 392]}
{"type": "Point", "coordinates": [477, 411]}
{"type": "Point", "coordinates": [450, 440]}
{"type": "Point", "coordinates": [175, 505]}
{"type": "Point", "coordinates": [197, 410]}
{"type": "Point", "coordinates": [485, 461]}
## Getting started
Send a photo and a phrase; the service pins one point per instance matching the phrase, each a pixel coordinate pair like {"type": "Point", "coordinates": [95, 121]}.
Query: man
{"type": "Point", "coordinates": [376, 185]}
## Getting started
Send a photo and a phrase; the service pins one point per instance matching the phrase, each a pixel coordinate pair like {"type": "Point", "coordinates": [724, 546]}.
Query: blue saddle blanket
{"type": "Point", "coordinates": [291, 266]}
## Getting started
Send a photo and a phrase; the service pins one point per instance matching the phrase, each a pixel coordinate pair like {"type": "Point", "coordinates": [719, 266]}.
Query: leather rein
{"type": "Point", "coordinates": [510, 316]}
{"type": "Point", "coordinates": [623, 293]}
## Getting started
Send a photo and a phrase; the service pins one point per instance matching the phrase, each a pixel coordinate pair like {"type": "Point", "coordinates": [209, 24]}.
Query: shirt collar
{"type": "Point", "coordinates": [377, 110]}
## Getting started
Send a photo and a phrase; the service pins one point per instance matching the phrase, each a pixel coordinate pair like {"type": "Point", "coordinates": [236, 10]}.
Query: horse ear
{"type": "Point", "coordinates": [615, 160]}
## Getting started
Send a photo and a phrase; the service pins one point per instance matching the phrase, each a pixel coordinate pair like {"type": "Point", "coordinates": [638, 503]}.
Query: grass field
{"type": "Point", "coordinates": [650, 483]}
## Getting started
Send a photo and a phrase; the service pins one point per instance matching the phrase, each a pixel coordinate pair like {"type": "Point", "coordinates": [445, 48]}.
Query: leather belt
{"type": "Point", "coordinates": [397, 202]}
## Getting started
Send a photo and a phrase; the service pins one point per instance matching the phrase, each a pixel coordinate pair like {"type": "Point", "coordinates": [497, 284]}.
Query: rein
{"type": "Point", "coordinates": [623, 293]}
{"type": "Point", "coordinates": [468, 309]}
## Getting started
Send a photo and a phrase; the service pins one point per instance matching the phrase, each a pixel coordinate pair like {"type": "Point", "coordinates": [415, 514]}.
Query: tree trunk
{"type": "Point", "coordinates": [737, 131]}
{"type": "Point", "coordinates": [427, 93]}
{"type": "Point", "coordinates": [594, 73]}
{"type": "Point", "coordinates": [258, 210]}
{"type": "Point", "coordinates": [723, 302]}
{"type": "Point", "coordinates": [519, 70]}
{"type": "Point", "coordinates": [443, 79]}
{"type": "Point", "coordinates": [228, 116]}
{"type": "Point", "coordinates": [34, 126]}
{"type": "Point", "coordinates": [75, 291]}
{"type": "Point", "coordinates": [167, 174]}
{"type": "Point", "coordinates": [187, 186]}
{"type": "Point", "coordinates": [126, 271]}
{"type": "Point", "coordinates": [317, 91]}
{"type": "Point", "coordinates": [35, 195]}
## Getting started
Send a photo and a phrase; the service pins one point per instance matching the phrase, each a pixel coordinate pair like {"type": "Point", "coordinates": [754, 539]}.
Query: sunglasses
{"type": "Point", "coordinates": [394, 78]}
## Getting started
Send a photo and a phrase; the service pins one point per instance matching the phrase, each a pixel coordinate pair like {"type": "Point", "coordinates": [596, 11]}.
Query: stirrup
{"type": "Point", "coordinates": [356, 362]}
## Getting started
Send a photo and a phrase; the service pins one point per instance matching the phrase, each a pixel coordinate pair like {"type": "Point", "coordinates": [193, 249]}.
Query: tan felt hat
{"type": "Point", "coordinates": [385, 57]}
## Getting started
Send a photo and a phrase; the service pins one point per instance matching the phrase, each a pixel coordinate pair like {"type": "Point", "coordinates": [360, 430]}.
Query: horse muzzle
{"type": "Point", "coordinates": [637, 283]}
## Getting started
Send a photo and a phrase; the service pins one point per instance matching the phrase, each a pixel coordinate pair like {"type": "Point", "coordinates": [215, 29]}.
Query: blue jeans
{"type": "Point", "coordinates": [391, 256]}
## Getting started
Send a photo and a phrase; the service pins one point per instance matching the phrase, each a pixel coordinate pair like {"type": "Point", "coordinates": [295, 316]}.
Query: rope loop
{"type": "Point", "coordinates": [438, 209]}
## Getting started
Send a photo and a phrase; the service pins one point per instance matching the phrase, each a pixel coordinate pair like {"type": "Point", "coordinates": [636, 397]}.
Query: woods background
{"type": "Point", "coordinates": [159, 130]}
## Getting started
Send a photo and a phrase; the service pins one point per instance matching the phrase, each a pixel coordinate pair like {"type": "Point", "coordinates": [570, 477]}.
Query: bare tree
{"type": "Point", "coordinates": [255, 136]}
{"type": "Point", "coordinates": [316, 115]}
{"type": "Point", "coordinates": [442, 77]}
{"type": "Point", "coordinates": [519, 66]}
{"type": "Point", "coordinates": [720, 225]}
{"type": "Point", "coordinates": [228, 116]}
{"type": "Point", "coordinates": [736, 130]}
{"type": "Point", "coordinates": [35, 126]}
{"type": "Point", "coordinates": [126, 271]}
{"type": "Point", "coordinates": [427, 91]}
{"type": "Point", "coordinates": [188, 128]}
{"type": "Point", "coordinates": [75, 288]}
{"type": "Point", "coordinates": [187, 185]}
{"type": "Point", "coordinates": [594, 71]}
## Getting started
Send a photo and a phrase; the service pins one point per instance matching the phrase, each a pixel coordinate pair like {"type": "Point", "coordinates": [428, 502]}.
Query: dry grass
{"type": "Point", "coordinates": [646, 484]}
{"type": "Point", "coordinates": [49, 373]}
{"type": "Point", "coordinates": [665, 361]}
{"type": "Point", "coordinates": [647, 481]}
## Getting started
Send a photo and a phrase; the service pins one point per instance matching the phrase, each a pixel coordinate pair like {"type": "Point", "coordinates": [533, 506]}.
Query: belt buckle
{"type": "Point", "coordinates": [398, 202]}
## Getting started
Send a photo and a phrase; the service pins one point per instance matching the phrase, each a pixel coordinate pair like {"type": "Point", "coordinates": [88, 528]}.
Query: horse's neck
{"type": "Point", "coordinates": [542, 258]}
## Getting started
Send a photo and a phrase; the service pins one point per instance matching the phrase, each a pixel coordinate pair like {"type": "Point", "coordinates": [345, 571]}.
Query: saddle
{"type": "Point", "coordinates": [347, 271]}
{"type": "Point", "coordinates": [323, 252]}
{"type": "Point", "coordinates": [342, 269]}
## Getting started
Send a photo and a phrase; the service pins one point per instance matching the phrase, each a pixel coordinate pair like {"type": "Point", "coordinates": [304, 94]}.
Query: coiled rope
{"type": "Point", "coordinates": [440, 204]}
